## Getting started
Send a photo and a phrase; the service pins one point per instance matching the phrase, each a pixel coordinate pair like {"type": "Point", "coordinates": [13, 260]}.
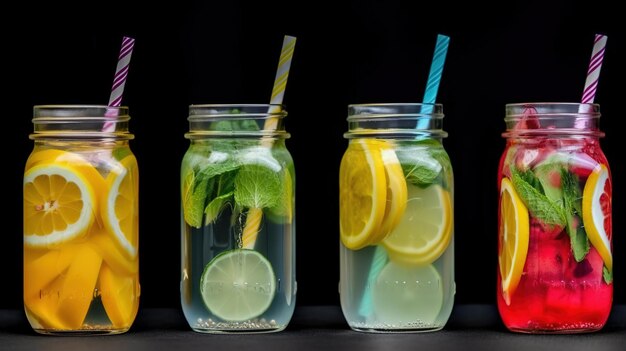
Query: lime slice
{"type": "Point", "coordinates": [404, 294]}
{"type": "Point", "coordinates": [238, 285]}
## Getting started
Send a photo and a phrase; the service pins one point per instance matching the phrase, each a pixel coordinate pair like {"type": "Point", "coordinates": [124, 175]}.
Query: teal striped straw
{"type": "Point", "coordinates": [434, 78]}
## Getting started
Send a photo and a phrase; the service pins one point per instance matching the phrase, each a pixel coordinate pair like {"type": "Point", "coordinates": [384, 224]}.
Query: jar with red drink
{"type": "Point", "coordinates": [555, 264]}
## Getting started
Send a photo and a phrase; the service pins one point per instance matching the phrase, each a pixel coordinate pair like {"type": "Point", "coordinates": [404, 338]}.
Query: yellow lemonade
{"type": "Point", "coordinates": [80, 238]}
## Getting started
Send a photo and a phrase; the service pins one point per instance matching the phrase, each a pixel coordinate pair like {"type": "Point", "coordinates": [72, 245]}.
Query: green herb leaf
{"type": "Point", "coordinates": [206, 181]}
{"type": "Point", "coordinates": [607, 275]}
{"type": "Point", "coordinates": [257, 186]}
{"type": "Point", "coordinates": [572, 199]}
{"type": "Point", "coordinates": [539, 205]}
{"type": "Point", "coordinates": [222, 195]}
{"type": "Point", "coordinates": [121, 152]}
{"type": "Point", "coordinates": [216, 205]}
{"type": "Point", "coordinates": [283, 210]}
{"type": "Point", "coordinates": [194, 198]}
{"type": "Point", "coordinates": [233, 124]}
{"type": "Point", "coordinates": [419, 167]}
{"type": "Point", "coordinates": [547, 174]}
{"type": "Point", "coordinates": [530, 178]}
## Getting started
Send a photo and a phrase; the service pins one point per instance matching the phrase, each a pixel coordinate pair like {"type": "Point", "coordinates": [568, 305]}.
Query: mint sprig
{"type": "Point", "coordinates": [539, 205]}
{"type": "Point", "coordinates": [425, 163]}
{"type": "Point", "coordinates": [257, 186]}
{"type": "Point", "coordinates": [205, 182]}
{"type": "Point", "coordinates": [572, 199]}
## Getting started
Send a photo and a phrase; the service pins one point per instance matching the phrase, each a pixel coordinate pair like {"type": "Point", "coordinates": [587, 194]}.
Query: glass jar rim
{"type": "Point", "coordinates": [394, 110]}
{"type": "Point", "coordinates": [80, 122]}
{"type": "Point", "coordinates": [396, 104]}
{"type": "Point", "coordinates": [556, 119]}
{"type": "Point", "coordinates": [203, 116]}
{"type": "Point", "coordinates": [250, 110]}
{"type": "Point", "coordinates": [560, 108]}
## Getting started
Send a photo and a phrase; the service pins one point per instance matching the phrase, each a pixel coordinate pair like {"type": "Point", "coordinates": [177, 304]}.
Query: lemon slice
{"type": "Point", "coordinates": [396, 194]}
{"type": "Point", "coordinates": [405, 295]}
{"type": "Point", "coordinates": [42, 308]}
{"type": "Point", "coordinates": [425, 230]}
{"type": "Point", "coordinates": [597, 211]}
{"type": "Point", "coordinates": [238, 285]}
{"type": "Point", "coordinates": [104, 244]}
{"type": "Point", "coordinates": [41, 270]}
{"type": "Point", "coordinates": [362, 193]}
{"type": "Point", "coordinates": [47, 156]}
{"type": "Point", "coordinates": [120, 297]}
{"type": "Point", "coordinates": [120, 208]}
{"type": "Point", "coordinates": [77, 292]}
{"type": "Point", "coordinates": [59, 202]}
{"type": "Point", "coordinates": [514, 233]}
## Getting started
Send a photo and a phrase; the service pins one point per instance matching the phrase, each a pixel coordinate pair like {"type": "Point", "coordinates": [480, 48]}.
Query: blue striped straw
{"type": "Point", "coordinates": [434, 78]}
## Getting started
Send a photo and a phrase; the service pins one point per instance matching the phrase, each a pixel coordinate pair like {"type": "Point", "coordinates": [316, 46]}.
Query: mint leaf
{"type": "Point", "coordinates": [607, 275]}
{"type": "Point", "coordinates": [214, 207]}
{"type": "Point", "coordinates": [230, 125]}
{"type": "Point", "coordinates": [194, 198]}
{"type": "Point", "coordinates": [121, 152]}
{"type": "Point", "coordinates": [419, 167]}
{"type": "Point", "coordinates": [249, 125]}
{"type": "Point", "coordinates": [572, 199]}
{"type": "Point", "coordinates": [578, 241]}
{"type": "Point", "coordinates": [539, 205]}
{"type": "Point", "coordinates": [257, 186]}
{"type": "Point", "coordinates": [204, 181]}
{"type": "Point", "coordinates": [530, 178]}
{"type": "Point", "coordinates": [549, 175]}
{"type": "Point", "coordinates": [221, 195]}
{"type": "Point", "coordinates": [419, 175]}
{"type": "Point", "coordinates": [283, 210]}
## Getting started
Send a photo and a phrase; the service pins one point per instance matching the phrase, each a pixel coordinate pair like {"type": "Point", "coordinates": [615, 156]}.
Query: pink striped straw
{"type": "Point", "coordinates": [593, 73]}
{"type": "Point", "coordinates": [119, 80]}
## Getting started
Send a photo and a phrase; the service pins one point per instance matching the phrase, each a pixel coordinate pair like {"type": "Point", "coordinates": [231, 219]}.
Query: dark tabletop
{"type": "Point", "coordinates": [471, 327]}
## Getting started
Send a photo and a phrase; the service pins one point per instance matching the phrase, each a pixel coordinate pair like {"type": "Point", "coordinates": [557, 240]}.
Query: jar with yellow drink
{"type": "Point", "coordinates": [81, 222]}
{"type": "Point", "coordinates": [396, 220]}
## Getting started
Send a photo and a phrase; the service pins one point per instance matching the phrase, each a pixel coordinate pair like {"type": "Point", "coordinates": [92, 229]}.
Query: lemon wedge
{"type": "Point", "coordinates": [597, 211]}
{"type": "Point", "coordinates": [513, 242]}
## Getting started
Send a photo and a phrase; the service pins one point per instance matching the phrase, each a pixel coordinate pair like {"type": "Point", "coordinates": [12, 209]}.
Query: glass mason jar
{"type": "Point", "coordinates": [396, 220]}
{"type": "Point", "coordinates": [555, 261]}
{"type": "Point", "coordinates": [81, 222]}
{"type": "Point", "coordinates": [238, 220]}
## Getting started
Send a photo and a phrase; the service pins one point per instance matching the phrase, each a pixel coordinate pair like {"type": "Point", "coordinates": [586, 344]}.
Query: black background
{"type": "Point", "coordinates": [347, 52]}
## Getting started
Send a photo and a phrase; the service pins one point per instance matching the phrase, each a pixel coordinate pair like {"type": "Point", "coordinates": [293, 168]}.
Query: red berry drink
{"type": "Point", "coordinates": [555, 260]}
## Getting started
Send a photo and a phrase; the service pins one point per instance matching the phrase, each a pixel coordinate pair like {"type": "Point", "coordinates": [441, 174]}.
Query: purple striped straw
{"type": "Point", "coordinates": [593, 73]}
{"type": "Point", "coordinates": [119, 80]}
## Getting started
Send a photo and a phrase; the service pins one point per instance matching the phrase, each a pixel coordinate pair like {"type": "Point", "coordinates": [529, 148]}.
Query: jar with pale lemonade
{"type": "Point", "coordinates": [396, 220]}
{"type": "Point", "coordinates": [81, 222]}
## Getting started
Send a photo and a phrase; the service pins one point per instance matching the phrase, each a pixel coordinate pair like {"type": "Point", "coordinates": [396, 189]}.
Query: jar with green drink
{"type": "Point", "coordinates": [238, 220]}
